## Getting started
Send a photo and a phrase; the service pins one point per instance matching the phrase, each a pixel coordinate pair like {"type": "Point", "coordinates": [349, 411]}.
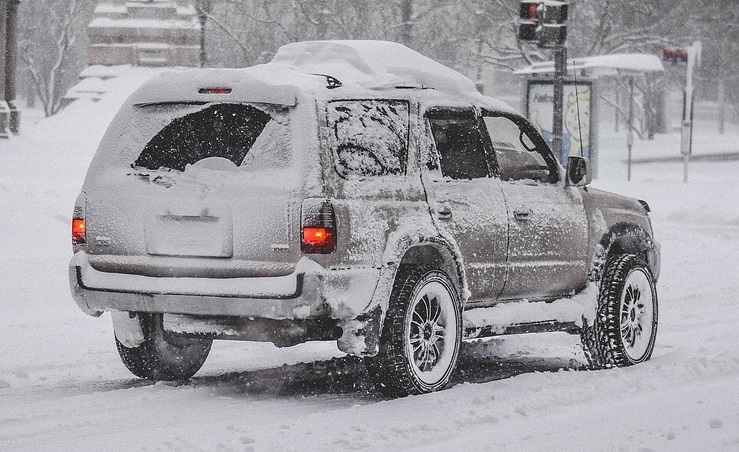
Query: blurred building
{"type": "Point", "coordinates": [144, 32]}
{"type": "Point", "coordinates": [9, 114]}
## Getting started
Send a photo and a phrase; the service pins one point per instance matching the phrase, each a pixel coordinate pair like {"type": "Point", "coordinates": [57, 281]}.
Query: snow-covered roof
{"type": "Point", "coordinates": [373, 65]}
{"type": "Point", "coordinates": [245, 84]}
{"type": "Point", "coordinates": [602, 65]}
{"type": "Point", "coordinates": [303, 67]}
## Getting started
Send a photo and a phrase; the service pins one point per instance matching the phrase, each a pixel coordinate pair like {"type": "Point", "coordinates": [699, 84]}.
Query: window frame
{"type": "Point", "coordinates": [526, 128]}
{"type": "Point", "coordinates": [456, 112]}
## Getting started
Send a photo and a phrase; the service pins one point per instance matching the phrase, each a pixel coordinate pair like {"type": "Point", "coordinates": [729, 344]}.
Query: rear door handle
{"type": "Point", "coordinates": [521, 215]}
{"type": "Point", "coordinates": [444, 211]}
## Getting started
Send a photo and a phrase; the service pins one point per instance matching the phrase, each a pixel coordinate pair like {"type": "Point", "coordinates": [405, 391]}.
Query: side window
{"type": "Point", "coordinates": [368, 137]}
{"type": "Point", "coordinates": [459, 144]}
{"type": "Point", "coordinates": [521, 154]}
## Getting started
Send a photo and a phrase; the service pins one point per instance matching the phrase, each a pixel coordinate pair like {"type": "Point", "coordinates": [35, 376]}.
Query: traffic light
{"type": "Point", "coordinates": [529, 20]}
{"type": "Point", "coordinates": [543, 22]}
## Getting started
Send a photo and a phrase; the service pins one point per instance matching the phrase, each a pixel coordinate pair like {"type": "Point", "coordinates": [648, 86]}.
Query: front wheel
{"type": "Point", "coordinates": [421, 334]}
{"type": "Point", "coordinates": [625, 326]}
{"type": "Point", "coordinates": [163, 355]}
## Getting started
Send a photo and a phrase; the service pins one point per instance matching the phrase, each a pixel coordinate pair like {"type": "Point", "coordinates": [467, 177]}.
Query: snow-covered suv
{"type": "Point", "coordinates": [357, 192]}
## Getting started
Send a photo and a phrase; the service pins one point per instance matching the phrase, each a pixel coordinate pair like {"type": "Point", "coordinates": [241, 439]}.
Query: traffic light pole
{"type": "Point", "coordinates": [544, 21]}
{"type": "Point", "coordinates": [560, 71]}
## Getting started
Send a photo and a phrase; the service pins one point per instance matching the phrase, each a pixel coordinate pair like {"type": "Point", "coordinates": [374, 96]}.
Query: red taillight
{"type": "Point", "coordinates": [317, 237]}
{"type": "Point", "coordinates": [78, 230]}
{"type": "Point", "coordinates": [318, 228]}
{"type": "Point", "coordinates": [215, 90]}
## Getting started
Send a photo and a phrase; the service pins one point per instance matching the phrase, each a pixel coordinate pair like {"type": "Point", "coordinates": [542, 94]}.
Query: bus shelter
{"type": "Point", "coordinates": [580, 103]}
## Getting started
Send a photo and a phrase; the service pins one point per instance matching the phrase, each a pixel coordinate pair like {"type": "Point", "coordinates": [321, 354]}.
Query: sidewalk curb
{"type": "Point", "coordinates": [693, 158]}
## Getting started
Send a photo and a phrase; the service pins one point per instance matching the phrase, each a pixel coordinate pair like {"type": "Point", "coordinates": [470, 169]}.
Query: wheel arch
{"type": "Point", "coordinates": [418, 249]}
{"type": "Point", "coordinates": [425, 247]}
{"type": "Point", "coordinates": [623, 238]}
{"type": "Point", "coordinates": [439, 253]}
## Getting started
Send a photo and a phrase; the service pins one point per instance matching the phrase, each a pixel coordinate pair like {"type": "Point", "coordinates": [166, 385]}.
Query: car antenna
{"type": "Point", "coordinates": [577, 106]}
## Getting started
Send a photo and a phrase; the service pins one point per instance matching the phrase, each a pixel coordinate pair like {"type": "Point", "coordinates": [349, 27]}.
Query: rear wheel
{"type": "Point", "coordinates": [421, 334]}
{"type": "Point", "coordinates": [163, 355]}
{"type": "Point", "coordinates": [625, 326]}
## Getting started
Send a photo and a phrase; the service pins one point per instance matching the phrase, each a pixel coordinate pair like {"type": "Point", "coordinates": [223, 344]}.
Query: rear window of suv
{"type": "Point", "coordinates": [368, 137]}
{"type": "Point", "coordinates": [236, 132]}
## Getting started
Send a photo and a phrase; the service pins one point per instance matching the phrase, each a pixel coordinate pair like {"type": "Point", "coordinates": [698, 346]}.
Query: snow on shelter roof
{"type": "Point", "coordinates": [302, 67]}
{"type": "Point", "coordinates": [602, 65]}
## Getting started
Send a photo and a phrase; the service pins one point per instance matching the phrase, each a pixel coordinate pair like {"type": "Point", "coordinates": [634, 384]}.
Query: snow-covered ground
{"type": "Point", "coordinates": [63, 387]}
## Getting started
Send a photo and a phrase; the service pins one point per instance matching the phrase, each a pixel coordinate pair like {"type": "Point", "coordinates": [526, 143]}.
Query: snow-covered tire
{"type": "Point", "coordinates": [163, 355]}
{"type": "Point", "coordinates": [625, 325]}
{"type": "Point", "coordinates": [421, 334]}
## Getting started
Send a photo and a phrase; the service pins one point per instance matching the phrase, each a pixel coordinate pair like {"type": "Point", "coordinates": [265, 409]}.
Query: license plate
{"type": "Point", "coordinates": [185, 235]}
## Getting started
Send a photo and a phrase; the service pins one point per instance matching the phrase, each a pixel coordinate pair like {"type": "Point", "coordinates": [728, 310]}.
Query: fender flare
{"type": "Point", "coordinates": [620, 238]}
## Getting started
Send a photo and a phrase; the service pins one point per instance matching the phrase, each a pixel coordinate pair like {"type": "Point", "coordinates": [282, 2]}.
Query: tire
{"type": "Point", "coordinates": [625, 326]}
{"type": "Point", "coordinates": [421, 335]}
{"type": "Point", "coordinates": [162, 355]}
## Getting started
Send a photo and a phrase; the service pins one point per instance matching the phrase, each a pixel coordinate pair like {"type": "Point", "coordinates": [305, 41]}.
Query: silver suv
{"type": "Point", "coordinates": [356, 192]}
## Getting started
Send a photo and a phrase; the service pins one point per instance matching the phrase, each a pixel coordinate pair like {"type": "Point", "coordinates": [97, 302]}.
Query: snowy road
{"type": "Point", "coordinates": [62, 386]}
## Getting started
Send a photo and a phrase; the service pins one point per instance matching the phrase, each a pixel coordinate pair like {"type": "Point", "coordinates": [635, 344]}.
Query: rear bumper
{"type": "Point", "coordinates": [309, 292]}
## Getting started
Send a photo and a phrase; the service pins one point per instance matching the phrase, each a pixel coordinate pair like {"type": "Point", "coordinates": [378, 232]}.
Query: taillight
{"type": "Point", "coordinates": [78, 231]}
{"type": "Point", "coordinates": [318, 227]}
{"type": "Point", "coordinates": [215, 90]}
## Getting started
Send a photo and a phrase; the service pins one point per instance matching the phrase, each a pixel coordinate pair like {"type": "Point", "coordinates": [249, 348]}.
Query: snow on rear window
{"type": "Point", "coordinates": [224, 130]}
{"type": "Point", "coordinates": [368, 137]}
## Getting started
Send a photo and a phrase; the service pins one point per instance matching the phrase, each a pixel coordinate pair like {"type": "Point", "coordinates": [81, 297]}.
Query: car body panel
{"type": "Point", "coordinates": [548, 237]}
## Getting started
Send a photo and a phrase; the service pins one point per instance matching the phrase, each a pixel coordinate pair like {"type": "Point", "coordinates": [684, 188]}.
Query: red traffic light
{"type": "Point", "coordinates": [528, 20]}
{"type": "Point", "coordinates": [529, 10]}
{"type": "Point", "coordinates": [543, 22]}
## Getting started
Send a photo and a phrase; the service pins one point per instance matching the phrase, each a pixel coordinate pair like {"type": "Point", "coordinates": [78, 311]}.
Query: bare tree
{"type": "Point", "coordinates": [49, 32]}
{"type": "Point", "coordinates": [716, 25]}
{"type": "Point", "coordinates": [256, 28]}
{"type": "Point", "coordinates": [620, 26]}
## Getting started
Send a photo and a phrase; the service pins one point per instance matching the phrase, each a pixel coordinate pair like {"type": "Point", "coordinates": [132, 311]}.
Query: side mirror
{"type": "Point", "coordinates": [578, 172]}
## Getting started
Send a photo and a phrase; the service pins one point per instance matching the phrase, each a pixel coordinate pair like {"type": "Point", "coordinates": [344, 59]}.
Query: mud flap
{"type": "Point", "coordinates": [361, 335]}
{"type": "Point", "coordinates": [127, 329]}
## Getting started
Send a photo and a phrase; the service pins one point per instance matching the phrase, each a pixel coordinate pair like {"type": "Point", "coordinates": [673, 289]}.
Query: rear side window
{"type": "Point", "coordinates": [368, 137]}
{"type": "Point", "coordinates": [225, 130]}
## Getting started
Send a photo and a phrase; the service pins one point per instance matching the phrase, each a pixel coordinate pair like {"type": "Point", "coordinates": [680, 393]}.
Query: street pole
{"type": "Point", "coordinates": [203, 8]}
{"type": "Point", "coordinates": [201, 56]}
{"type": "Point", "coordinates": [4, 110]}
{"type": "Point", "coordinates": [560, 70]}
{"type": "Point", "coordinates": [11, 65]}
{"type": "Point", "coordinates": [630, 125]}
{"type": "Point", "coordinates": [686, 137]}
